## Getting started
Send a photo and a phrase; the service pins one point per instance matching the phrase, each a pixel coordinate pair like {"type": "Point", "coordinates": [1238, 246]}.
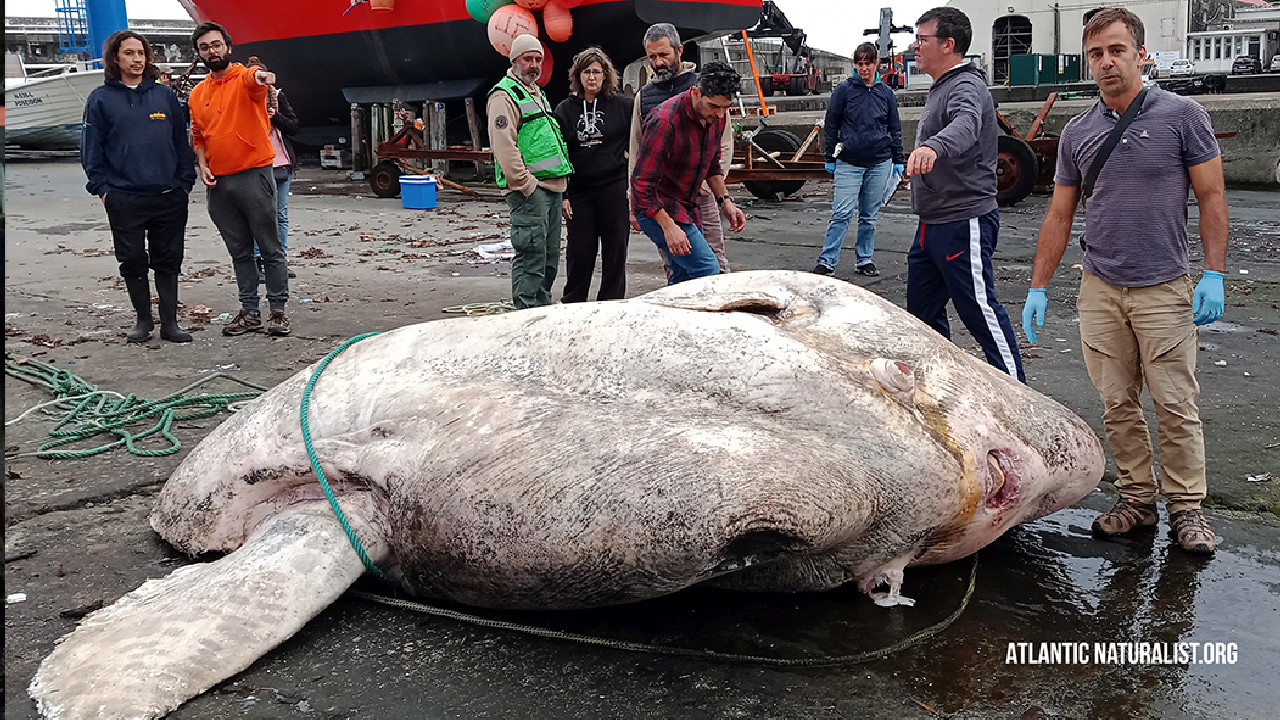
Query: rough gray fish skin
{"type": "Point", "coordinates": [770, 431]}
{"type": "Point", "coordinates": [738, 428]}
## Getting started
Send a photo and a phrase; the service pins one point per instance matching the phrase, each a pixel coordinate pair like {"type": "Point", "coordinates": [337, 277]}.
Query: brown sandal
{"type": "Point", "coordinates": [1127, 515]}
{"type": "Point", "coordinates": [1192, 531]}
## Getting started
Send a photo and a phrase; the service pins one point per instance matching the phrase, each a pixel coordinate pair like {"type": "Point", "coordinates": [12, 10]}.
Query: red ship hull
{"type": "Point", "coordinates": [428, 49]}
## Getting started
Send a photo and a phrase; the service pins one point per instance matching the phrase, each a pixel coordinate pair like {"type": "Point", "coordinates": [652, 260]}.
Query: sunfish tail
{"type": "Point", "coordinates": [177, 636]}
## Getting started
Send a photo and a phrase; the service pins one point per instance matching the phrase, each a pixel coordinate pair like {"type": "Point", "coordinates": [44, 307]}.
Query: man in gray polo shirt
{"type": "Point", "coordinates": [1138, 311]}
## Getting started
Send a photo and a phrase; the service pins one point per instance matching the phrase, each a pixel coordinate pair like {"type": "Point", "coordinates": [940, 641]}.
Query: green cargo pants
{"type": "Point", "coordinates": [535, 235]}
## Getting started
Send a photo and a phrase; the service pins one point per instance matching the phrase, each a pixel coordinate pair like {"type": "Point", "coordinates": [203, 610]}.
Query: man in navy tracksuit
{"type": "Point", "coordinates": [953, 190]}
{"type": "Point", "coordinates": [135, 152]}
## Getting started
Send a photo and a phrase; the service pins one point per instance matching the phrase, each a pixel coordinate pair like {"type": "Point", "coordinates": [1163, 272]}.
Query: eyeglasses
{"type": "Point", "coordinates": [592, 72]}
{"type": "Point", "coordinates": [920, 38]}
{"type": "Point", "coordinates": [216, 45]}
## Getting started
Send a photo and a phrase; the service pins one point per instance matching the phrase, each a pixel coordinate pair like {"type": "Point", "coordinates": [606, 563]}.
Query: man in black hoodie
{"type": "Point", "coordinates": [135, 152]}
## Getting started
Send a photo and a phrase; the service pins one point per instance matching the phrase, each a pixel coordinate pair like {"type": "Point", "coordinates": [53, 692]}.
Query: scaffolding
{"type": "Point", "coordinates": [73, 26]}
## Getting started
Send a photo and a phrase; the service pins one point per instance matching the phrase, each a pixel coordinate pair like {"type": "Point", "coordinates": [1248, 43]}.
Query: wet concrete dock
{"type": "Point", "coordinates": [84, 522]}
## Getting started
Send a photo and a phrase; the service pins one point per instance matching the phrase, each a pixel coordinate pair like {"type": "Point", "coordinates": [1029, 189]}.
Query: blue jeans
{"type": "Point", "coordinates": [863, 187]}
{"type": "Point", "coordinates": [700, 261]}
{"type": "Point", "coordinates": [282, 213]}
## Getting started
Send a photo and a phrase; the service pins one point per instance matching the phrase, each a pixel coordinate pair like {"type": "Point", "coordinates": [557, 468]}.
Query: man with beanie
{"type": "Point", "coordinates": [145, 193]}
{"type": "Point", "coordinates": [532, 163]}
{"type": "Point", "coordinates": [229, 127]}
{"type": "Point", "coordinates": [671, 77]}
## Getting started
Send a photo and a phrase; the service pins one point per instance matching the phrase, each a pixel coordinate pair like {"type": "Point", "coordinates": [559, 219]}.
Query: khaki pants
{"type": "Point", "coordinates": [1132, 335]}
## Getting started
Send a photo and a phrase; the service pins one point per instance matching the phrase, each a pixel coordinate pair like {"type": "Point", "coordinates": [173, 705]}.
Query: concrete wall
{"type": "Point", "coordinates": [1252, 156]}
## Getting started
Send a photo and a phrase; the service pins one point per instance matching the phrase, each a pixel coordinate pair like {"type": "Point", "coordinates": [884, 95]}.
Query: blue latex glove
{"type": "Point", "coordinates": [900, 169]}
{"type": "Point", "coordinates": [1034, 309]}
{"type": "Point", "coordinates": [1208, 301]}
{"type": "Point", "coordinates": [831, 168]}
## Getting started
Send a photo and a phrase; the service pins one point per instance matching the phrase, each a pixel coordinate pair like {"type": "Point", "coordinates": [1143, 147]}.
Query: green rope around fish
{"type": "Point", "coordinates": [710, 655]}
{"type": "Point", "coordinates": [315, 462]}
{"type": "Point", "coordinates": [84, 411]}
{"type": "Point", "coordinates": [830, 661]}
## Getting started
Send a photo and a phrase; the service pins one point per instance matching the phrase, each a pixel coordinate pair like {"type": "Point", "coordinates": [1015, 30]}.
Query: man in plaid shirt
{"type": "Point", "coordinates": [679, 148]}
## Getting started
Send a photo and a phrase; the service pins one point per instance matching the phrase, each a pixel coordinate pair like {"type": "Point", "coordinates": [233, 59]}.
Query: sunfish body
{"type": "Point", "coordinates": [770, 431]}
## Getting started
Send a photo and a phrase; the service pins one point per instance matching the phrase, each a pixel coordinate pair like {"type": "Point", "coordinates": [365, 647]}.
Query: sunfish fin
{"type": "Point", "coordinates": [177, 636]}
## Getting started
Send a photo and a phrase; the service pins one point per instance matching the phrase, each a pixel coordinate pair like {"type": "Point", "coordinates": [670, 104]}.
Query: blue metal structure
{"type": "Point", "coordinates": [85, 25]}
{"type": "Point", "coordinates": [105, 17]}
{"type": "Point", "coordinates": [73, 28]}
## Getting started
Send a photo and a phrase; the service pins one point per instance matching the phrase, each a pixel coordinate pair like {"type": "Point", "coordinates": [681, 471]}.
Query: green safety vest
{"type": "Point", "coordinates": [539, 141]}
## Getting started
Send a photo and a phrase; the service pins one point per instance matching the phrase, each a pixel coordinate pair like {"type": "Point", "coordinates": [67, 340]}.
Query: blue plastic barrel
{"type": "Point", "coordinates": [418, 192]}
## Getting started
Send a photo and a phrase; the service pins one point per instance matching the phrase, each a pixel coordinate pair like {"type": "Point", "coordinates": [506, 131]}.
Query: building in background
{"type": "Point", "coordinates": [35, 41]}
{"type": "Point", "coordinates": [1004, 28]}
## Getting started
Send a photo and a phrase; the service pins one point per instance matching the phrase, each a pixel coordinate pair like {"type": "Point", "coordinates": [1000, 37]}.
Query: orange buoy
{"type": "Point", "coordinates": [557, 20]}
{"type": "Point", "coordinates": [508, 23]}
{"type": "Point", "coordinates": [532, 4]}
{"type": "Point", "coordinates": [546, 65]}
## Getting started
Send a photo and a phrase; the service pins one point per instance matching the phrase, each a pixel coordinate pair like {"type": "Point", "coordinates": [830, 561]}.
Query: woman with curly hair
{"type": "Point", "coordinates": [596, 124]}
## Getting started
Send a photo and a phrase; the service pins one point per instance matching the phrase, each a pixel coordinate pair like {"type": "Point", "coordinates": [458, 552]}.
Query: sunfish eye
{"type": "Point", "coordinates": [895, 377]}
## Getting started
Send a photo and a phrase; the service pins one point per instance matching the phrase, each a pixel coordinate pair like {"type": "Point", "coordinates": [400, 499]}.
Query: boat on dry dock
{"type": "Point", "coordinates": [329, 53]}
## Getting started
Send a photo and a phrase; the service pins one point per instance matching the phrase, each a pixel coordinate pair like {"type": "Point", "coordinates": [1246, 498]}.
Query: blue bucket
{"type": "Point", "coordinates": [418, 192]}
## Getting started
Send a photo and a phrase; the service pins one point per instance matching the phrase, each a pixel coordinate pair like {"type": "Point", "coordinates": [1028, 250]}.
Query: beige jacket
{"type": "Point", "coordinates": [637, 124]}
{"type": "Point", "coordinates": [504, 127]}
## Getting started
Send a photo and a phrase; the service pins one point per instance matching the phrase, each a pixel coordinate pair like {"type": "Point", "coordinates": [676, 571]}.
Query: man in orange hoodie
{"type": "Point", "coordinates": [230, 131]}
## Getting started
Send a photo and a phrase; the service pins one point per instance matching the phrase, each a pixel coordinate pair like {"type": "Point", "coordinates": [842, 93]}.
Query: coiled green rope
{"type": "Point", "coordinates": [85, 411]}
{"type": "Point", "coordinates": [315, 462]}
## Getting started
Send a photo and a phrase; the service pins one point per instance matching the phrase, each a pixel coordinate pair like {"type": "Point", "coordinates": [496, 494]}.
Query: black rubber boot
{"type": "Point", "coordinates": [167, 289]}
{"type": "Point", "coordinates": [140, 297]}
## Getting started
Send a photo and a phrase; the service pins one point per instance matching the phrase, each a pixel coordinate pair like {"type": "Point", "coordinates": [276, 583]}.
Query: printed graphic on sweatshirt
{"type": "Point", "coordinates": [590, 125]}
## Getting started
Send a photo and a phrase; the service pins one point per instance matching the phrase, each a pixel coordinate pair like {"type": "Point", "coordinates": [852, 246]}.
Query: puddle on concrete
{"type": "Point", "coordinates": [1047, 582]}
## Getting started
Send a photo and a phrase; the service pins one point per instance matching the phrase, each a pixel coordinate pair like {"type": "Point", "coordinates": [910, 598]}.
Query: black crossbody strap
{"type": "Point", "coordinates": [1131, 112]}
{"type": "Point", "coordinates": [1112, 140]}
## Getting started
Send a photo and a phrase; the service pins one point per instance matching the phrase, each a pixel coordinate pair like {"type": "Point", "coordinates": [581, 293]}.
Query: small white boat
{"type": "Point", "coordinates": [47, 113]}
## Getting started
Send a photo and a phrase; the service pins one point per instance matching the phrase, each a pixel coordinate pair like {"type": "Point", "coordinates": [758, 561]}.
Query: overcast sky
{"type": "Point", "coordinates": [833, 25]}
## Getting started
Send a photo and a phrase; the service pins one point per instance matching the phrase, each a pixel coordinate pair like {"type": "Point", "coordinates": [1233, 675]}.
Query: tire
{"type": "Point", "coordinates": [1016, 170]}
{"type": "Point", "coordinates": [766, 86]}
{"type": "Point", "coordinates": [385, 180]}
{"type": "Point", "coordinates": [773, 140]}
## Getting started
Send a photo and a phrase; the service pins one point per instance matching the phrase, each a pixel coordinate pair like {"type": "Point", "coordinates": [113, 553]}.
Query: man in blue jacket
{"type": "Point", "coordinates": [135, 152]}
{"type": "Point", "coordinates": [863, 146]}
{"type": "Point", "coordinates": [953, 190]}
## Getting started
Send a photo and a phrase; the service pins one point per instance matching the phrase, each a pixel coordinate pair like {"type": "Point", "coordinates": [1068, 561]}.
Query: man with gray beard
{"type": "Point", "coordinates": [671, 77]}
{"type": "Point", "coordinates": [532, 162]}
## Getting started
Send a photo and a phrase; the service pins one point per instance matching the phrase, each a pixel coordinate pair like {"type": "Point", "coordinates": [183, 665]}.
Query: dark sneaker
{"type": "Point", "coordinates": [1128, 514]}
{"type": "Point", "coordinates": [278, 324]}
{"type": "Point", "coordinates": [867, 269]}
{"type": "Point", "coordinates": [1192, 531]}
{"type": "Point", "coordinates": [244, 322]}
{"type": "Point", "coordinates": [821, 269]}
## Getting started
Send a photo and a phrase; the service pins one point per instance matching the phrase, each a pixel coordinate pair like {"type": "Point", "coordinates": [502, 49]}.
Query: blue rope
{"type": "Point", "coordinates": [315, 462]}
